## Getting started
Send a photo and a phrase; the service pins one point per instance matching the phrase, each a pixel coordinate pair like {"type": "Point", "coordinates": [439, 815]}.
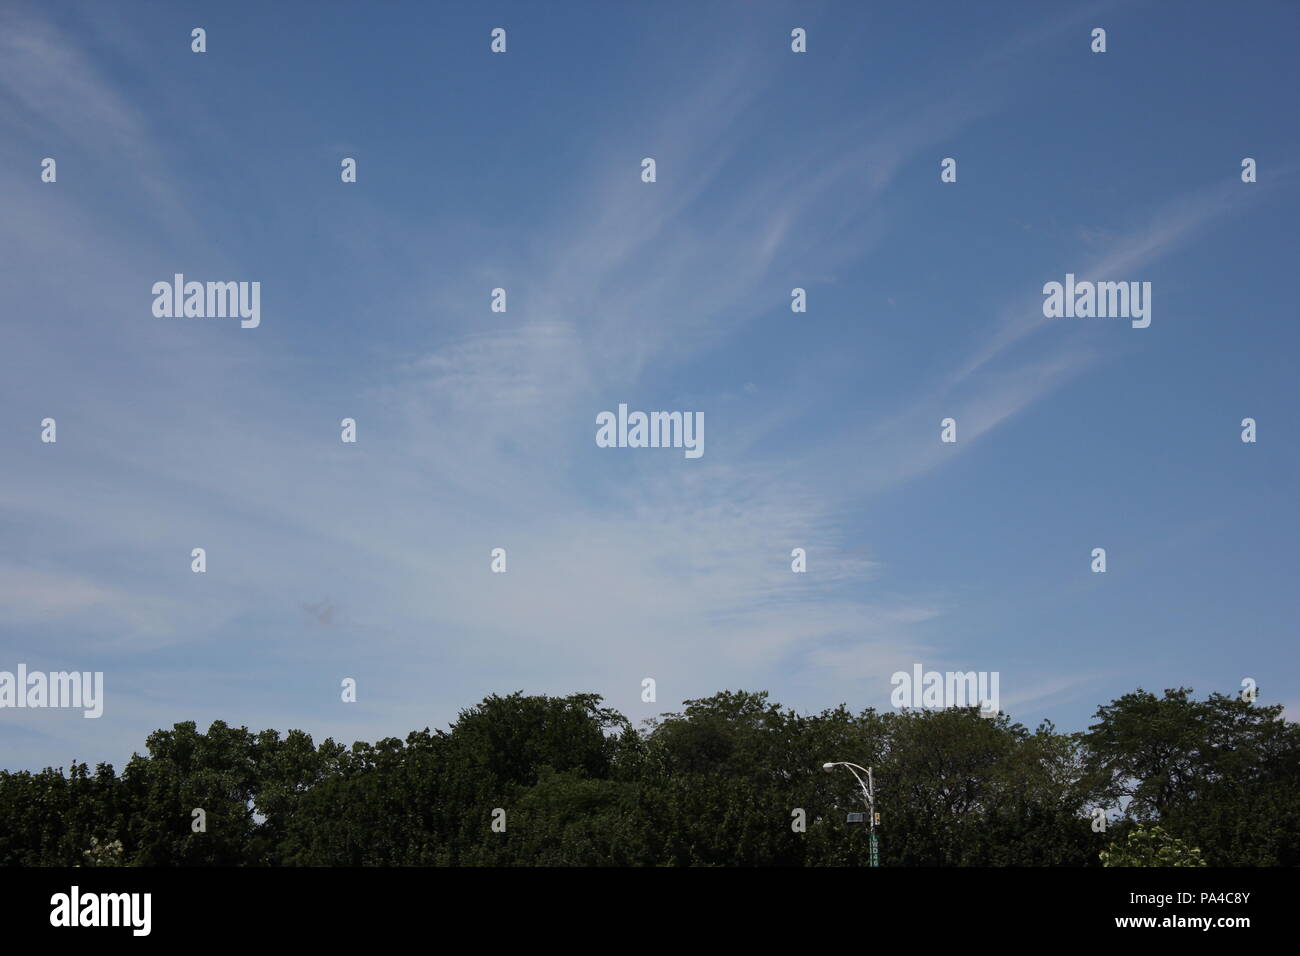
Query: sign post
{"type": "Point", "coordinates": [871, 808]}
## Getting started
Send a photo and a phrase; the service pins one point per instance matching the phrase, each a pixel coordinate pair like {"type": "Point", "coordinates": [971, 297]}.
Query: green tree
{"type": "Point", "coordinates": [1151, 846]}
{"type": "Point", "coordinates": [1222, 773]}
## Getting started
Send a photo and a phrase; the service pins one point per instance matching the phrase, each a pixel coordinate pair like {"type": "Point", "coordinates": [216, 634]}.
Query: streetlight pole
{"type": "Point", "coordinates": [869, 797]}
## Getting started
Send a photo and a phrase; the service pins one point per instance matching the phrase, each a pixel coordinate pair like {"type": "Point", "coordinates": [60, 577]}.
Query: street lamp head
{"type": "Point", "coordinates": [828, 767]}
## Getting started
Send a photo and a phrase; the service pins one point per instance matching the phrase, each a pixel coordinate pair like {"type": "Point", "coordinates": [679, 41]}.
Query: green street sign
{"type": "Point", "coordinates": [875, 850]}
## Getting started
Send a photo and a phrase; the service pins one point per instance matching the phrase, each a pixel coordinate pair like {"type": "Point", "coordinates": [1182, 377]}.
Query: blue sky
{"type": "Point", "coordinates": [476, 429]}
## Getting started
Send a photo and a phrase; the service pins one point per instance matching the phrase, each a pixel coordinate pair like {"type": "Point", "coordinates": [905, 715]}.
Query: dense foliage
{"type": "Point", "coordinates": [718, 784]}
{"type": "Point", "coordinates": [1151, 846]}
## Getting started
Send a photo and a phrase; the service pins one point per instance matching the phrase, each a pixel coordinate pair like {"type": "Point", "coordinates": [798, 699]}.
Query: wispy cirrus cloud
{"type": "Point", "coordinates": [476, 428]}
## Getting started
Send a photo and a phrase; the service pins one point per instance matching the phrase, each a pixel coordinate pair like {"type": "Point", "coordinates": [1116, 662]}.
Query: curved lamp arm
{"type": "Point", "coordinates": [853, 769]}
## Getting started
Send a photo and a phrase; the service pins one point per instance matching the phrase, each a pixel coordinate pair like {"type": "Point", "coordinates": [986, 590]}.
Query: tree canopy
{"type": "Point", "coordinates": [730, 780]}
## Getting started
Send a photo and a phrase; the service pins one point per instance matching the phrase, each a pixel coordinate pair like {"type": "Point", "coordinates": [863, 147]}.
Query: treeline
{"type": "Point", "coordinates": [720, 783]}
